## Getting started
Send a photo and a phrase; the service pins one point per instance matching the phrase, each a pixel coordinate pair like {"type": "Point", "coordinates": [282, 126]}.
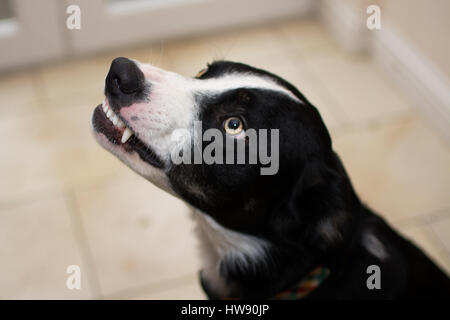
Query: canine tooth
{"type": "Point", "coordinates": [109, 114]}
{"type": "Point", "coordinates": [126, 135]}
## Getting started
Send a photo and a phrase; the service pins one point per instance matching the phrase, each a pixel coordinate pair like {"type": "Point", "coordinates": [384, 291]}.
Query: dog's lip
{"type": "Point", "coordinates": [103, 125]}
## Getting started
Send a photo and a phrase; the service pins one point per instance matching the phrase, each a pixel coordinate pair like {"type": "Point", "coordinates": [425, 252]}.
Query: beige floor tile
{"type": "Point", "coordinates": [76, 77]}
{"type": "Point", "coordinates": [442, 230]}
{"type": "Point", "coordinates": [153, 54]}
{"type": "Point", "coordinates": [141, 238]}
{"type": "Point", "coordinates": [361, 90]}
{"type": "Point", "coordinates": [187, 57]}
{"type": "Point", "coordinates": [73, 77]}
{"type": "Point", "coordinates": [53, 148]}
{"type": "Point", "coordinates": [425, 239]}
{"type": "Point", "coordinates": [294, 72]}
{"type": "Point", "coordinates": [37, 244]}
{"type": "Point", "coordinates": [400, 169]}
{"type": "Point", "coordinates": [187, 290]}
{"type": "Point", "coordinates": [139, 235]}
{"type": "Point", "coordinates": [17, 93]}
{"type": "Point", "coordinates": [304, 34]}
{"type": "Point", "coordinates": [251, 42]}
{"type": "Point", "coordinates": [191, 55]}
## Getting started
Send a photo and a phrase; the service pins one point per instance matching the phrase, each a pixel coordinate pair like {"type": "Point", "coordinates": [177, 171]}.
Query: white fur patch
{"type": "Point", "coordinates": [222, 243]}
{"type": "Point", "coordinates": [374, 246]}
{"type": "Point", "coordinates": [218, 243]}
{"type": "Point", "coordinates": [133, 160]}
{"type": "Point", "coordinates": [330, 228]}
{"type": "Point", "coordinates": [171, 104]}
{"type": "Point", "coordinates": [240, 80]}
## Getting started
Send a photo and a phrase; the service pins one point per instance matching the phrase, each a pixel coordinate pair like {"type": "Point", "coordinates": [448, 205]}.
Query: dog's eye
{"type": "Point", "coordinates": [233, 125]}
{"type": "Point", "coordinates": [201, 72]}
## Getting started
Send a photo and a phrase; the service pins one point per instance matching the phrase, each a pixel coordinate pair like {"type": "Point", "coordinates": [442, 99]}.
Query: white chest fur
{"type": "Point", "coordinates": [219, 244]}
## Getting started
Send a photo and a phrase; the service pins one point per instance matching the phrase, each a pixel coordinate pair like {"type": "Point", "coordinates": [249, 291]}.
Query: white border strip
{"type": "Point", "coordinates": [429, 88]}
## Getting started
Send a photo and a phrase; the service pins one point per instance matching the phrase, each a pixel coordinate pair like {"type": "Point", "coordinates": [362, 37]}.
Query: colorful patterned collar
{"type": "Point", "coordinates": [308, 284]}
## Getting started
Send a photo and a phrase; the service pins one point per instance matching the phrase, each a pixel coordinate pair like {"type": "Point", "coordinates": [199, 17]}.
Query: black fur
{"type": "Point", "coordinates": [290, 209]}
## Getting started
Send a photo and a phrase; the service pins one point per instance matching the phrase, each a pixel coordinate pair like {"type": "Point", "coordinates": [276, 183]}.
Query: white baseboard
{"type": "Point", "coordinates": [126, 24]}
{"type": "Point", "coordinates": [422, 81]}
{"type": "Point", "coordinates": [427, 87]}
{"type": "Point", "coordinates": [345, 25]}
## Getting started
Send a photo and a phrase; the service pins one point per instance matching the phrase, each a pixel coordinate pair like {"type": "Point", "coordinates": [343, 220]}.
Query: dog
{"type": "Point", "coordinates": [298, 232]}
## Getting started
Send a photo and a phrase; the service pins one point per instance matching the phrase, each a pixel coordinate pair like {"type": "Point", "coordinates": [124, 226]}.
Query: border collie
{"type": "Point", "coordinates": [298, 232]}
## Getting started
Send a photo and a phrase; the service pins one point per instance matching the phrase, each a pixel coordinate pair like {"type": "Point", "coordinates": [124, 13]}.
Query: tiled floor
{"type": "Point", "coordinates": [64, 200]}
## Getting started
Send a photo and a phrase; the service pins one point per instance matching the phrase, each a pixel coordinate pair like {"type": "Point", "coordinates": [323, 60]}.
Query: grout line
{"type": "Point", "coordinates": [28, 197]}
{"type": "Point", "coordinates": [373, 124]}
{"type": "Point", "coordinates": [345, 124]}
{"type": "Point", "coordinates": [422, 219]}
{"type": "Point", "coordinates": [406, 223]}
{"type": "Point", "coordinates": [436, 242]}
{"type": "Point", "coordinates": [32, 196]}
{"type": "Point", "coordinates": [83, 243]}
{"type": "Point", "coordinates": [437, 216]}
{"type": "Point", "coordinates": [337, 111]}
{"type": "Point", "coordinates": [441, 242]}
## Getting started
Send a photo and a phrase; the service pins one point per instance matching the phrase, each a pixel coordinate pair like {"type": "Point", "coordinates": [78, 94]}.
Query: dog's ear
{"type": "Point", "coordinates": [317, 211]}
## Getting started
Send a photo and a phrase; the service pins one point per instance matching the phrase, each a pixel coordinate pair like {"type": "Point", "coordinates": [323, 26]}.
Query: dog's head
{"type": "Point", "coordinates": [176, 132]}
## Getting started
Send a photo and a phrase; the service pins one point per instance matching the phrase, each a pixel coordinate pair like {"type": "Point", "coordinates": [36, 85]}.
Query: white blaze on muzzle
{"type": "Point", "coordinates": [171, 104]}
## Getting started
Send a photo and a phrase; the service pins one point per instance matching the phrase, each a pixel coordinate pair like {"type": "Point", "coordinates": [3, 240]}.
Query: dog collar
{"type": "Point", "coordinates": [307, 285]}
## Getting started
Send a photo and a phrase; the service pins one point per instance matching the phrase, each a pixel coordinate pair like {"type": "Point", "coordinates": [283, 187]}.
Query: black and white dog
{"type": "Point", "coordinates": [299, 232]}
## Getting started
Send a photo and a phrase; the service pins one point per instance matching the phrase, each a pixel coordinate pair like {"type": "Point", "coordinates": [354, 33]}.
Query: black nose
{"type": "Point", "coordinates": [124, 78]}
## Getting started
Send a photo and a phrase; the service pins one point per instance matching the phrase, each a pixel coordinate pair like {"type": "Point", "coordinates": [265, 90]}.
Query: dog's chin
{"type": "Point", "coordinates": [134, 153]}
{"type": "Point", "coordinates": [112, 136]}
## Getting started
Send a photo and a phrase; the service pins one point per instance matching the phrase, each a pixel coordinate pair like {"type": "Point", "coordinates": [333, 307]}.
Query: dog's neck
{"type": "Point", "coordinates": [221, 246]}
{"type": "Point", "coordinates": [248, 266]}
{"type": "Point", "coordinates": [238, 265]}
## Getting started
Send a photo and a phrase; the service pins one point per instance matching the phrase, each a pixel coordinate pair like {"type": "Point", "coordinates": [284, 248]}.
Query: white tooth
{"type": "Point", "coordinates": [115, 120]}
{"type": "Point", "coordinates": [109, 113]}
{"type": "Point", "coordinates": [120, 124]}
{"type": "Point", "coordinates": [126, 135]}
{"type": "Point", "coordinates": [105, 107]}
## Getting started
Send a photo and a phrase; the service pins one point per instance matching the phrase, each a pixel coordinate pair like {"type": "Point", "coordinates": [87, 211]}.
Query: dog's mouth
{"type": "Point", "coordinates": [113, 127]}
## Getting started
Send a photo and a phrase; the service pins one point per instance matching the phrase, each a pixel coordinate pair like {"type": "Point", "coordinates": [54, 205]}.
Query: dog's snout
{"type": "Point", "coordinates": [124, 78]}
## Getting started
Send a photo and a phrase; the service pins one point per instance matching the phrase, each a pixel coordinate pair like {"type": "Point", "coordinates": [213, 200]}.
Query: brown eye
{"type": "Point", "coordinates": [233, 125]}
{"type": "Point", "coordinates": [201, 72]}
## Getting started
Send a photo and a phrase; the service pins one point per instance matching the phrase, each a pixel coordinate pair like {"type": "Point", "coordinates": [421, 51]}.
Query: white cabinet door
{"type": "Point", "coordinates": [33, 31]}
{"type": "Point", "coordinates": [112, 23]}
{"type": "Point", "coordinates": [30, 31]}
